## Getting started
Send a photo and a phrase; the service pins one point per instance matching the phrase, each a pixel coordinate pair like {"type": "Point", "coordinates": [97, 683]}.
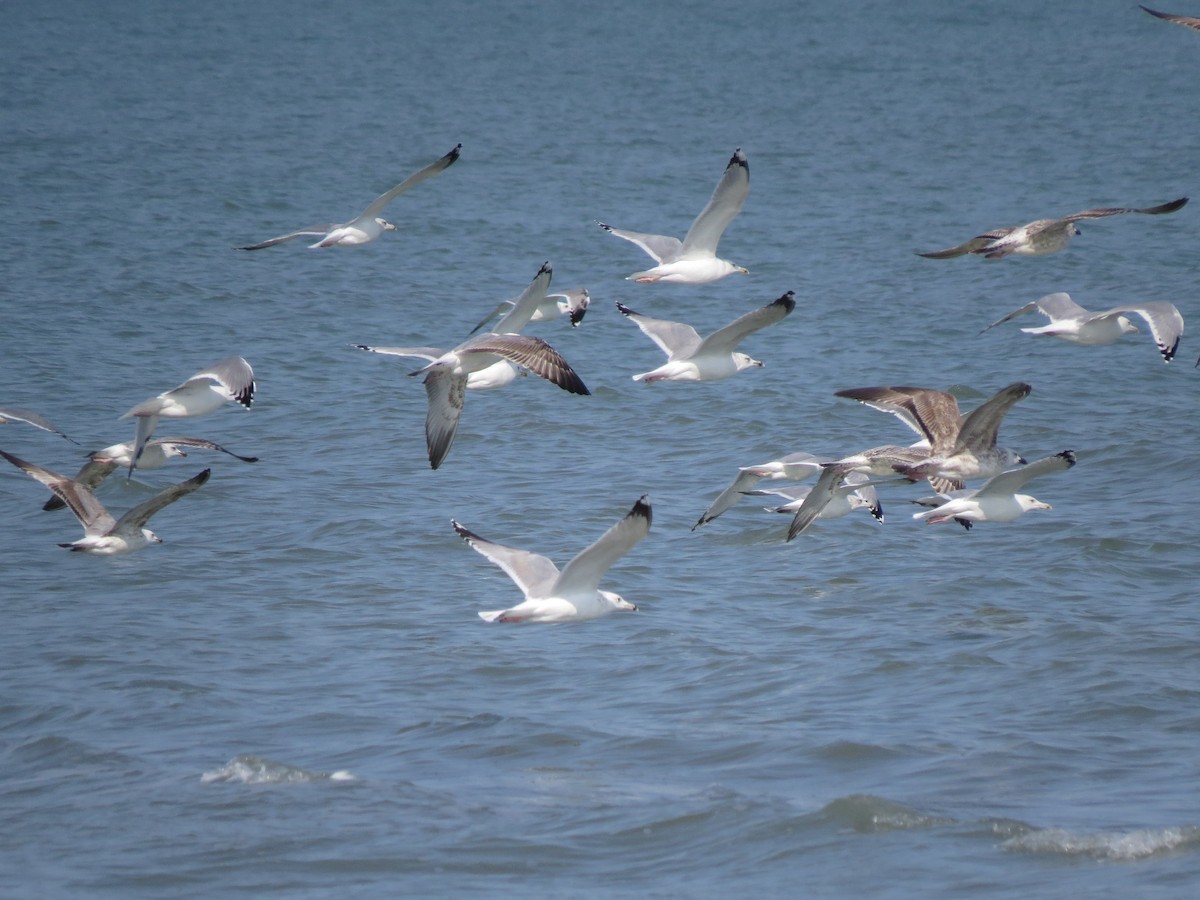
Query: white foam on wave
{"type": "Point", "coordinates": [250, 769]}
{"type": "Point", "coordinates": [1123, 845]}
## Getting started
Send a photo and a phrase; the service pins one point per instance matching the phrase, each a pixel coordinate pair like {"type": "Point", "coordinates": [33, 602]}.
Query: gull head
{"type": "Point", "coordinates": [1074, 230]}
{"type": "Point", "coordinates": [150, 536]}
{"type": "Point", "coordinates": [1009, 458]}
{"type": "Point", "coordinates": [1127, 327]}
{"type": "Point", "coordinates": [741, 270]}
{"type": "Point", "coordinates": [617, 601]}
{"type": "Point", "coordinates": [742, 361]}
{"type": "Point", "coordinates": [1027, 503]}
{"type": "Point", "coordinates": [385, 224]}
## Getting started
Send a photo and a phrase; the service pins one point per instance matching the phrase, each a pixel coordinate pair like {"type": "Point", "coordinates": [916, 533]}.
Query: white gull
{"type": "Point", "coordinates": [997, 500]}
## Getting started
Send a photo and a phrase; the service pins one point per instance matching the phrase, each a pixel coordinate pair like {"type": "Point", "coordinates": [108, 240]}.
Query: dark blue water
{"type": "Point", "coordinates": [293, 694]}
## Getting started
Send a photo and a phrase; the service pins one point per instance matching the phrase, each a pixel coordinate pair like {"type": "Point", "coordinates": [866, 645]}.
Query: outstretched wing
{"type": "Point", "coordinates": [974, 245]}
{"type": "Point", "coordinates": [429, 353]}
{"type": "Point", "coordinates": [91, 514]}
{"type": "Point", "coordinates": [725, 203]}
{"type": "Point", "coordinates": [533, 574]}
{"type": "Point", "coordinates": [1186, 21]}
{"type": "Point", "coordinates": [725, 340]}
{"type": "Point", "coordinates": [584, 572]}
{"type": "Point", "coordinates": [526, 304]}
{"type": "Point", "coordinates": [660, 247]}
{"type": "Point", "coordinates": [930, 413]}
{"type": "Point", "coordinates": [12, 414]}
{"type": "Point", "coordinates": [980, 427]}
{"type": "Point", "coordinates": [1118, 210]}
{"type": "Point", "coordinates": [1012, 480]}
{"type": "Point", "coordinates": [445, 391]}
{"type": "Point", "coordinates": [136, 519]}
{"type": "Point", "coordinates": [310, 231]}
{"type": "Point", "coordinates": [818, 498]}
{"type": "Point", "coordinates": [202, 444]}
{"type": "Point", "coordinates": [1166, 324]}
{"type": "Point", "coordinates": [742, 484]}
{"type": "Point", "coordinates": [675, 339]}
{"type": "Point", "coordinates": [429, 171]}
{"type": "Point", "coordinates": [531, 353]}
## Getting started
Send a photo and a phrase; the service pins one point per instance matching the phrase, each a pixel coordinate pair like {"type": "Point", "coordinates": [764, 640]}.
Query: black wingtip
{"type": "Point", "coordinates": [201, 478]}
{"type": "Point", "coordinates": [788, 300]}
{"type": "Point", "coordinates": [605, 227]}
{"type": "Point", "coordinates": [642, 509]}
{"type": "Point", "coordinates": [453, 155]}
{"type": "Point", "coordinates": [626, 311]}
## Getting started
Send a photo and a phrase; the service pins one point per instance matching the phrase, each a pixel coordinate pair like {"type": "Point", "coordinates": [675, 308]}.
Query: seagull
{"type": "Point", "coordinates": [10, 414]}
{"type": "Point", "coordinates": [446, 379]}
{"type": "Point", "coordinates": [856, 492]}
{"type": "Point", "coordinates": [793, 467]}
{"type": "Point", "coordinates": [832, 497]}
{"type": "Point", "coordinates": [997, 500]}
{"type": "Point", "coordinates": [1041, 236]}
{"type": "Point", "coordinates": [694, 259]}
{"type": "Point", "coordinates": [231, 380]}
{"type": "Point", "coordinates": [692, 358]}
{"type": "Point", "coordinates": [1071, 322]}
{"type": "Point", "coordinates": [1186, 21]}
{"type": "Point", "coordinates": [102, 463]}
{"type": "Point", "coordinates": [539, 307]}
{"type": "Point", "coordinates": [102, 534]}
{"type": "Point", "coordinates": [574, 593]}
{"type": "Point", "coordinates": [368, 226]}
{"type": "Point", "coordinates": [960, 447]}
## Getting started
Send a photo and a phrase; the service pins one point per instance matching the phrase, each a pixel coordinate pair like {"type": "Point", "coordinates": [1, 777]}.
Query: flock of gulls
{"type": "Point", "coordinates": [952, 447]}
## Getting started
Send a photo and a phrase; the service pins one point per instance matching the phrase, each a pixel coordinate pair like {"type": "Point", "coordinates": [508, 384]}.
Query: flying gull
{"type": "Point", "coordinates": [1071, 322]}
{"type": "Point", "coordinates": [102, 534]}
{"type": "Point", "coordinates": [102, 463]}
{"type": "Point", "coordinates": [574, 593]}
{"type": "Point", "coordinates": [831, 497]}
{"type": "Point", "coordinates": [536, 305]}
{"type": "Point", "coordinates": [692, 358]}
{"type": "Point", "coordinates": [997, 500]}
{"type": "Point", "coordinates": [9, 414]}
{"type": "Point", "coordinates": [368, 226]}
{"type": "Point", "coordinates": [857, 491]}
{"type": "Point", "coordinates": [1041, 236]}
{"type": "Point", "coordinates": [231, 380]}
{"type": "Point", "coordinates": [793, 467]}
{"type": "Point", "coordinates": [694, 259]}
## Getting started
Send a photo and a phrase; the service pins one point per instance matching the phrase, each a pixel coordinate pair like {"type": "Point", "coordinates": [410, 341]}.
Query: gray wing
{"type": "Point", "coordinates": [234, 375]}
{"type": "Point", "coordinates": [429, 353]}
{"type": "Point", "coordinates": [1056, 307]}
{"type": "Point", "coordinates": [533, 574]}
{"type": "Point", "coordinates": [310, 231]}
{"type": "Point", "coordinates": [660, 247]}
{"type": "Point", "coordinates": [91, 476]}
{"type": "Point", "coordinates": [526, 304]}
{"type": "Point", "coordinates": [91, 514]}
{"type": "Point", "coordinates": [818, 498]}
{"type": "Point", "coordinates": [531, 353]}
{"type": "Point", "coordinates": [1186, 21]}
{"type": "Point", "coordinates": [429, 171]}
{"type": "Point", "coordinates": [586, 569]}
{"type": "Point", "coordinates": [501, 307]}
{"type": "Point", "coordinates": [980, 427]}
{"type": "Point", "coordinates": [577, 301]}
{"type": "Point", "coordinates": [13, 414]}
{"type": "Point", "coordinates": [1012, 480]}
{"type": "Point", "coordinates": [1118, 210]}
{"type": "Point", "coordinates": [1166, 324]}
{"type": "Point", "coordinates": [726, 339]}
{"type": "Point", "coordinates": [677, 340]}
{"type": "Point", "coordinates": [930, 413]}
{"type": "Point", "coordinates": [724, 205]}
{"type": "Point", "coordinates": [728, 497]}
{"type": "Point", "coordinates": [445, 392]}
{"type": "Point", "coordinates": [974, 245]}
{"type": "Point", "coordinates": [200, 444]}
{"type": "Point", "coordinates": [135, 520]}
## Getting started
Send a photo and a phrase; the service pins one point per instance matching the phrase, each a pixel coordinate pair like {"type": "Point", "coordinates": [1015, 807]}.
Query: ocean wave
{"type": "Point", "coordinates": [249, 769]}
{"type": "Point", "coordinates": [1117, 845]}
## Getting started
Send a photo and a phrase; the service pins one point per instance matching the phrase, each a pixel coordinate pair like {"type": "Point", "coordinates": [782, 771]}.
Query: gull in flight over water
{"type": "Point", "coordinates": [368, 226]}
{"type": "Point", "coordinates": [837, 492]}
{"type": "Point", "coordinates": [1071, 322]}
{"type": "Point", "coordinates": [1186, 21]}
{"type": "Point", "coordinates": [997, 500]}
{"type": "Point", "coordinates": [574, 593]}
{"type": "Point", "coordinates": [231, 380]}
{"type": "Point", "coordinates": [102, 463]}
{"type": "Point", "coordinates": [446, 380]}
{"type": "Point", "coordinates": [856, 491]}
{"type": "Point", "coordinates": [793, 467]}
{"type": "Point", "coordinates": [692, 358]}
{"type": "Point", "coordinates": [9, 414]}
{"type": "Point", "coordinates": [102, 534]}
{"type": "Point", "coordinates": [694, 259]}
{"type": "Point", "coordinates": [1041, 236]}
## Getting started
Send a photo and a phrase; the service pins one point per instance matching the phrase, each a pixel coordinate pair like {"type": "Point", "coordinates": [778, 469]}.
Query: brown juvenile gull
{"type": "Point", "coordinates": [1071, 322]}
{"type": "Point", "coordinates": [102, 534]}
{"type": "Point", "coordinates": [694, 259]}
{"type": "Point", "coordinates": [573, 594]}
{"type": "Point", "coordinates": [1042, 236]}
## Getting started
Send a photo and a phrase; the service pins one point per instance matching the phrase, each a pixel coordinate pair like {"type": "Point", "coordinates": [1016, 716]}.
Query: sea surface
{"type": "Point", "coordinates": [293, 695]}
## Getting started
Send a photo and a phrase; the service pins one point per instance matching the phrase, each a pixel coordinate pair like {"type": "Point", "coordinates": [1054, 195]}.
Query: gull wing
{"type": "Point", "coordinates": [974, 245]}
{"type": "Point", "coordinates": [724, 205]}
{"type": "Point", "coordinates": [310, 231]}
{"type": "Point", "coordinates": [445, 391]}
{"type": "Point", "coordinates": [1186, 21]}
{"type": "Point", "coordinates": [1012, 480]}
{"type": "Point", "coordinates": [13, 414]}
{"type": "Point", "coordinates": [660, 247]}
{"type": "Point", "coordinates": [533, 574]}
{"type": "Point", "coordinates": [429, 171]}
{"type": "Point", "coordinates": [531, 353]}
{"type": "Point", "coordinates": [201, 444]}
{"type": "Point", "coordinates": [429, 353]}
{"type": "Point", "coordinates": [91, 514]}
{"type": "Point", "coordinates": [1166, 324]}
{"type": "Point", "coordinates": [525, 305]}
{"type": "Point", "coordinates": [930, 413]}
{"type": "Point", "coordinates": [502, 307]}
{"type": "Point", "coordinates": [584, 572]}
{"type": "Point", "coordinates": [726, 339]}
{"type": "Point", "coordinates": [742, 484]}
{"type": "Point", "coordinates": [135, 520]}
{"type": "Point", "coordinates": [677, 340]}
{"type": "Point", "coordinates": [818, 498]}
{"type": "Point", "coordinates": [233, 375]}
{"type": "Point", "coordinates": [576, 301]}
{"type": "Point", "coordinates": [980, 427]}
{"type": "Point", "coordinates": [1162, 208]}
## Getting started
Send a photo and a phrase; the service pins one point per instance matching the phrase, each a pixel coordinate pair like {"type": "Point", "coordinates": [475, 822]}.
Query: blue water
{"type": "Point", "coordinates": [293, 694]}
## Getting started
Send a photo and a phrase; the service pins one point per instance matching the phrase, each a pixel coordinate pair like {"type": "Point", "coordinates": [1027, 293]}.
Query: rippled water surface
{"type": "Point", "coordinates": [293, 694]}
